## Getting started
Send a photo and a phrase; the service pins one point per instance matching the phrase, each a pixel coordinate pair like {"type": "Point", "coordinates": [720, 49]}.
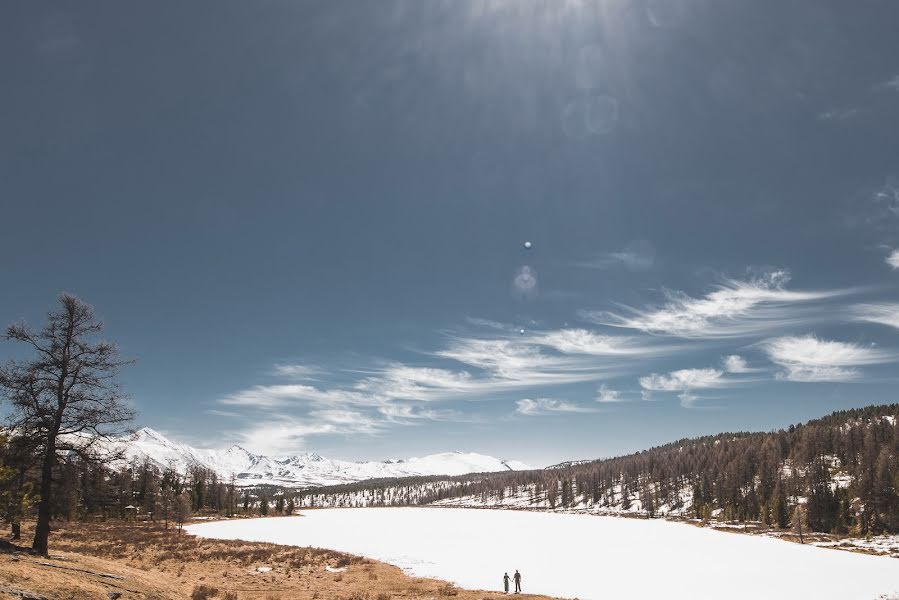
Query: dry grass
{"type": "Point", "coordinates": [142, 560]}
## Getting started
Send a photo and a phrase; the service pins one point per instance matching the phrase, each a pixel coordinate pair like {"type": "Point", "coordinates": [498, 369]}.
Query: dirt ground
{"type": "Point", "coordinates": [143, 560]}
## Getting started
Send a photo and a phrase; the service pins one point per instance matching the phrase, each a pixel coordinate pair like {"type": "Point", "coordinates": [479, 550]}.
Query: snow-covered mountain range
{"type": "Point", "coordinates": [301, 470]}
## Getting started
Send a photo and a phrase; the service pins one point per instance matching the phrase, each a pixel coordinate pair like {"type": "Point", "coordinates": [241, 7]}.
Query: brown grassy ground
{"type": "Point", "coordinates": [144, 561]}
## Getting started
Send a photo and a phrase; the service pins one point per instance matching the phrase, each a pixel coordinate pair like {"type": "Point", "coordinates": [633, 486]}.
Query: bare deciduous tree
{"type": "Point", "coordinates": [800, 522]}
{"type": "Point", "coordinates": [182, 509]}
{"type": "Point", "coordinates": [65, 399]}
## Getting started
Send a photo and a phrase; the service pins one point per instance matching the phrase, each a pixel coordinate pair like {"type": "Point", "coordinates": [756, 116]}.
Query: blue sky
{"type": "Point", "coordinates": [306, 220]}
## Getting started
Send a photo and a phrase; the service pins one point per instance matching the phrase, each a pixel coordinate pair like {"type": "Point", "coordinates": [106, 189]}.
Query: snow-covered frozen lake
{"type": "Point", "coordinates": [578, 555]}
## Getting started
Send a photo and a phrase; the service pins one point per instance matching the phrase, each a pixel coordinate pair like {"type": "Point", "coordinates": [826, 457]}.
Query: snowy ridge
{"type": "Point", "coordinates": [302, 470]}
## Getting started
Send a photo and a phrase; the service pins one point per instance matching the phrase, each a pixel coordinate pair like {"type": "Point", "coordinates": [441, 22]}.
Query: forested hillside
{"type": "Point", "coordinates": [843, 468]}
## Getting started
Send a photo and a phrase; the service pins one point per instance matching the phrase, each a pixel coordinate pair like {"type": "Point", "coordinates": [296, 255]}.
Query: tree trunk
{"type": "Point", "coordinates": [16, 530]}
{"type": "Point", "coordinates": [40, 545]}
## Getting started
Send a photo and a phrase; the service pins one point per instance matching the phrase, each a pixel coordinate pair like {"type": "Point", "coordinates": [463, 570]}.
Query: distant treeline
{"type": "Point", "coordinates": [844, 469]}
{"type": "Point", "coordinates": [88, 490]}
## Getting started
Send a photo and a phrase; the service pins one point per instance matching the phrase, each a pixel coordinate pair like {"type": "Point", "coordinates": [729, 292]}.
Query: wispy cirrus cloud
{"type": "Point", "coordinates": [890, 84]}
{"type": "Point", "coordinates": [298, 372]}
{"type": "Point", "coordinates": [584, 341]}
{"type": "Point", "coordinates": [838, 114]}
{"type": "Point", "coordinates": [734, 309]}
{"type": "Point", "coordinates": [892, 259]}
{"type": "Point", "coordinates": [286, 435]}
{"type": "Point", "coordinates": [544, 406]}
{"type": "Point", "coordinates": [488, 323]}
{"type": "Point", "coordinates": [809, 359]}
{"type": "Point", "coordinates": [381, 396]}
{"type": "Point", "coordinates": [886, 313]}
{"type": "Point", "coordinates": [406, 413]}
{"type": "Point", "coordinates": [401, 381]}
{"type": "Point", "coordinates": [511, 364]}
{"type": "Point", "coordinates": [636, 256]}
{"type": "Point", "coordinates": [292, 394]}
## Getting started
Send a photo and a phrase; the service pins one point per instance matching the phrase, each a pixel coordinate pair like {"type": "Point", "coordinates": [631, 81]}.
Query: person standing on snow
{"type": "Point", "coordinates": [506, 582]}
{"type": "Point", "coordinates": [517, 578]}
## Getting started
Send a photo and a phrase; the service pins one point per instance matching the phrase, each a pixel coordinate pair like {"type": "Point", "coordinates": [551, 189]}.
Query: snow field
{"type": "Point", "coordinates": [580, 556]}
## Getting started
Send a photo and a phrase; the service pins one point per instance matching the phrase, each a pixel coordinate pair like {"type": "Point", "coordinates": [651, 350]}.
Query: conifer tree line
{"type": "Point", "coordinates": [86, 490]}
{"type": "Point", "coordinates": [842, 469]}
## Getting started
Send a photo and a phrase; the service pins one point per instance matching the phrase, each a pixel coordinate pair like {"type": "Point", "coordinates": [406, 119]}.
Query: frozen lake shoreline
{"type": "Point", "coordinates": [577, 555]}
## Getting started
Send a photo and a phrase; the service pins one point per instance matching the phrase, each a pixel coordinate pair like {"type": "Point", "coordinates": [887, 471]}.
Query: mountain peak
{"type": "Point", "coordinates": [149, 433]}
{"type": "Point", "coordinates": [307, 469]}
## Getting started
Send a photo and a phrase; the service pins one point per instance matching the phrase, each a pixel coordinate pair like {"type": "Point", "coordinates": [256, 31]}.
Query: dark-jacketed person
{"type": "Point", "coordinates": [517, 578]}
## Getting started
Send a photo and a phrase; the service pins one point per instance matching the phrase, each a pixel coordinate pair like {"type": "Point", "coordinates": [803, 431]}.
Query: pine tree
{"type": "Point", "coordinates": [883, 493]}
{"type": "Point", "coordinates": [779, 506]}
{"type": "Point", "coordinates": [15, 489]}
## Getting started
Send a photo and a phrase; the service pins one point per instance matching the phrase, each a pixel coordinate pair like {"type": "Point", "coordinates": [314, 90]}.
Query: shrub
{"type": "Point", "coordinates": [202, 592]}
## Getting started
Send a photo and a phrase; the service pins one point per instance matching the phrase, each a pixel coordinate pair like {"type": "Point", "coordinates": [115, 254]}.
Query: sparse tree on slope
{"type": "Point", "coordinates": [182, 509]}
{"type": "Point", "coordinates": [65, 399]}
{"type": "Point", "coordinates": [800, 522]}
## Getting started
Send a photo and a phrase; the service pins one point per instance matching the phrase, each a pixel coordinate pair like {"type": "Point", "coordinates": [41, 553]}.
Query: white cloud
{"type": "Point", "coordinates": [885, 313]}
{"type": "Point", "coordinates": [688, 400]}
{"type": "Point", "coordinates": [686, 382]}
{"type": "Point", "coordinates": [637, 256]}
{"type": "Point", "coordinates": [282, 395]}
{"type": "Point", "coordinates": [583, 341]}
{"type": "Point", "coordinates": [406, 413]}
{"type": "Point", "coordinates": [735, 308]}
{"type": "Point", "coordinates": [683, 380]}
{"type": "Point", "coordinates": [809, 359]}
{"type": "Point", "coordinates": [736, 364]}
{"type": "Point", "coordinates": [893, 259]}
{"type": "Point", "coordinates": [608, 395]}
{"type": "Point", "coordinates": [838, 114]}
{"type": "Point", "coordinates": [478, 322]}
{"type": "Point", "coordinates": [512, 365]}
{"type": "Point", "coordinates": [287, 435]}
{"type": "Point", "coordinates": [399, 381]}
{"type": "Point", "coordinates": [542, 406]}
{"type": "Point", "coordinates": [297, 371]}
{"type": "Point", "coordinates": [892, 83]}
{"type": "Point", "coordinates": [888, 197]}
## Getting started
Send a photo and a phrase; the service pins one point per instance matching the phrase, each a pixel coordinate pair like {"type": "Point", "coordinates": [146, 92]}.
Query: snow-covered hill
{"type": "Point", "coordinates": [301, 470]}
